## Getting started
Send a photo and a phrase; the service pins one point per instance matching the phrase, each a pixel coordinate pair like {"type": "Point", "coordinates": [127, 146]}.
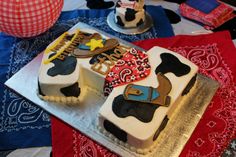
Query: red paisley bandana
{"type": "Point", "coordinates": [215, 55]}
{"type": "Point", "coordinates": [214, 19]}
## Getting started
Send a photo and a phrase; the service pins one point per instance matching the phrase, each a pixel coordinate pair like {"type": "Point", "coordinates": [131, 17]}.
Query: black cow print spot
{"type": "Point", "coordinates": [130, 14]}
{"type": "Point", "coordinates": [189, 85]}
{"type": "Point", "coordinates": [99, 4]}
{"type": "Point", "coordinates": [230, 25]}
{"type": "Point", "coordinates": [144, 7]}
{"type": "Point", "coordinates": [140, 22]}
{"type": "Point", "coordinates": [172, 16]}
{"type": "Point", "coordinates": [119, 21]}
{"type": "Point", "coordinates": [142, 111]}
{"type": "Point", "coordinates": [64, 67]}
{"type": "Point", "coordinates": [162, 127]}
{"type": "Point", "coordinates": [176, 1]}
{"type": "Point", "coordinates": [172, 64]}
{"type": "Point", "coordinates": [114, 130]}
{"type": "Point", "coordinates": [72, 90]}
{"type": "Point", "coordinates": [118, 4]}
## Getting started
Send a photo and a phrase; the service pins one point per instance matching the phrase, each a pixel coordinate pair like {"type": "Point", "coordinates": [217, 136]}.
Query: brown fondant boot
{"type": "Point", "coordinates": [163, 89]}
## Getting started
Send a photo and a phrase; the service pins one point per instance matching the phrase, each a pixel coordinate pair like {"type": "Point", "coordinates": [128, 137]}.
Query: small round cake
{"type": "Point", "coordinates": [130, 13]}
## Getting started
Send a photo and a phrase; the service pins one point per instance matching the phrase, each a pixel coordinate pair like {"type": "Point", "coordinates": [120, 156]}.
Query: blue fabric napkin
{"type": "Point", "coordinates": [98, 19]}
{"type": "Point", "coordinates": [205, 6]}
{"type": "Point", "coordinates": [22, 123]}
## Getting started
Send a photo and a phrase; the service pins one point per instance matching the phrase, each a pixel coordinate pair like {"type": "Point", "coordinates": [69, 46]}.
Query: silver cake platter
{"type": "Point", "coordinates": [148, 23]}
{"type": "Point", "coordinates": [84, 116]}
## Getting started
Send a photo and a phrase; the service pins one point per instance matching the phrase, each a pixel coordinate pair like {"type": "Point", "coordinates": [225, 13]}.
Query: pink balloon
{"type": "Point", "coordinates": [28, 18]}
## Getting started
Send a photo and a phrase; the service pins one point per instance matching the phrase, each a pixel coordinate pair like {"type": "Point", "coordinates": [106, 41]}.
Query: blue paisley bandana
{"type": "Point", "coordinates": [22, 123]}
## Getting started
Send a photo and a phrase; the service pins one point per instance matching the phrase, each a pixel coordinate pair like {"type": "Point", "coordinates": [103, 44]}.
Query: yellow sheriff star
{"type": "Point", "coordinates": [93, 44]}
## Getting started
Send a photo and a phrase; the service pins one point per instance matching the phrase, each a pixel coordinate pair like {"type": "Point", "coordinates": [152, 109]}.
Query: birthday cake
{"type": "Point", "coordinates": [142, 88]}
{"type": "Point", "coordinates": [130, 13]}
{"type": "Point", "coordinates": [136, 113]}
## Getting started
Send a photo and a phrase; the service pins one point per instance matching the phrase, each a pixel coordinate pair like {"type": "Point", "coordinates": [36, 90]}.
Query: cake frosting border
{"type": "Point", "coordinates": [93, 133]}
{"type": "Point", "coordinates": [144, 151]}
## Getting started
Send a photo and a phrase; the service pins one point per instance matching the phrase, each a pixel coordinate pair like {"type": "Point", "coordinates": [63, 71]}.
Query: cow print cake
{"type": "Point", "coordinates": [136, 113]}
{"type": "Point", "coordinates": [130, 13]}
{"type": "Point", "coordinates": [142, 88]}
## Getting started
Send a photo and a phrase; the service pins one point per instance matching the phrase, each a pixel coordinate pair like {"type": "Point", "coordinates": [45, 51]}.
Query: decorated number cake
{"type": "Point", "coordinates": [142, 88]}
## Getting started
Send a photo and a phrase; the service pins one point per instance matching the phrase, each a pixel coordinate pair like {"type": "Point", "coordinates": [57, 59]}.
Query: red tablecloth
{"type": "Point", "coordinates": [215, 55]}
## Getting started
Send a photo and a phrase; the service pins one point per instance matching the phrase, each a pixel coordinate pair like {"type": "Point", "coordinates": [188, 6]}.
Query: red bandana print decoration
{"type": "Point", "coordinates": [134, 66]}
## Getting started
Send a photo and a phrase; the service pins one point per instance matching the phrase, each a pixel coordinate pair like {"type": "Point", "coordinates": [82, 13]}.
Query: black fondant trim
{"type": "Point", "coordinates": [162, 127]}
{"type": "Point", "coordinates": [172, 64]}
{"type": "Point", "coordinates": [39, 90]}
{"type": "Point", "coordinates": [189, 85]}
{"type": "Point", "coordinates": [72, 90]}
{"type": "Point", "coordinates": [140, 110]}
{"type": "Point", "coordinates": [119, 21]}
{"type": "Point", "coordinates": [114, 130]}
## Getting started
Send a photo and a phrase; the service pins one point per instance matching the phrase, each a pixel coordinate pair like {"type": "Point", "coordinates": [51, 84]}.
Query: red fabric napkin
{"type": "Point", "coordinates": [214, 19]}
{"type": "Point", "coordinates": [215, 55]}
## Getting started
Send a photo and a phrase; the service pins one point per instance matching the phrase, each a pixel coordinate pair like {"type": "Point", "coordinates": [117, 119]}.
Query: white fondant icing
{"type": "Point", "coordinates": [140, 134]}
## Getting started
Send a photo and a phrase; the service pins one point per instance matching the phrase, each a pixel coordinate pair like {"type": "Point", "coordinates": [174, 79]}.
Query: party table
{"type": "Point", "coordinates": [24, 125]}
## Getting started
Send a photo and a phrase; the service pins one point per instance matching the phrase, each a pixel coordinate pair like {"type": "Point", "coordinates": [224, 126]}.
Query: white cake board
{"type": "Point", "coordinates": [84, 116]}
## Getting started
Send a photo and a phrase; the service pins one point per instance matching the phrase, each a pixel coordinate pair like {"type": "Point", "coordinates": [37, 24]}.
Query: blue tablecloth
{"type": "Point", "coordinates": [22, 123]}
{"type": "Point", "coordinates": [98, 19]}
